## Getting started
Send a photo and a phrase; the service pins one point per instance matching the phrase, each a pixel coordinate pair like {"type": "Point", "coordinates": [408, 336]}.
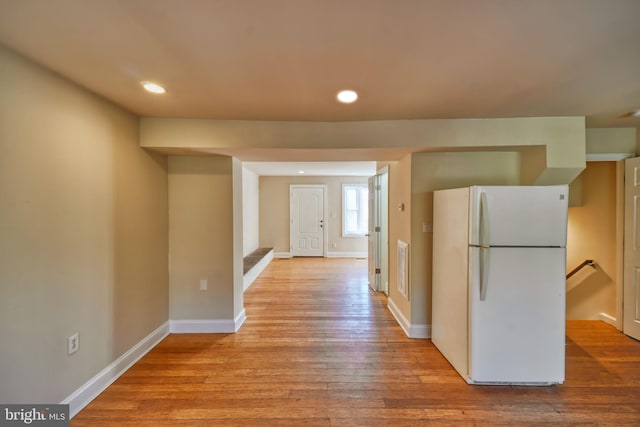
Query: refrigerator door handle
{"type": "Point", "coordinates": [484, 220]}
{"type": "Point", "coordinates": [484, 272]}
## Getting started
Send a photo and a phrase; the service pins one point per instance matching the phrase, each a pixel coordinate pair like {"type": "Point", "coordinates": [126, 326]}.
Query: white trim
{"type": "Point", "coordinates": [411, 331]}
{"type": "Point", "coordinates": [403, 269]}
{"type": "Point", "coordinates": [620, 166]}
{"type": "Point", "coordinates": [360, 186]}
{"type": "Point", "coordinates": [255, 271]}
{"type": "Point", "coordinates": [606, 318]}
{"type": "Point", "coordinates": [420, 331]}
{"type": "Point", "coordinates": [282, 255]}
{"type": "Point", "coordinates": [103, 379]}
{"type": "Point", "coordinates": [608, 157]}
{"type": "Point", "coordinates": [239, 320]}
{"type": "Point", "coordinates": [397, 314]}
{"type": "Point", "coordinates": [383, 170]}
{"type": "Point", "coordinates": [208, 326]}
{"type": "Point", "coordinates": [347, 254]}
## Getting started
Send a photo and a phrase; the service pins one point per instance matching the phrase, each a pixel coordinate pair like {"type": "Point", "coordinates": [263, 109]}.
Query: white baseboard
{"type": "Point", "coordinates": [410, 330]}
{"type": "Point", "coordinates": [103, 379]}
{"type": "Point", "coordinates": [282, 255]}
{"type": "Point", "coordinates": [402, 321]}
{"type": "Point", "coordinates": [253, 274]}
{"type": "Point", "coordinates": [239, 320]}
{"type": "Point", "coordinates": [420, 331]}
{"type": "Point", "coordinates": [606, 318]}
{"type": "Point", "coordinates": [208, 326]}
{"type": "Point", "coordinates": [347, 254]}
{"type": "Point", "coordinates": [329, 255]}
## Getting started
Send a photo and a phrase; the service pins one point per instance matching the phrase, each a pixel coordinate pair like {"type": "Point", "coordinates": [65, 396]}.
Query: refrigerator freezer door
{"type": "Point", "coordinates": [519, 216]}
{"type": "Point", "coordinates": [517, 333]}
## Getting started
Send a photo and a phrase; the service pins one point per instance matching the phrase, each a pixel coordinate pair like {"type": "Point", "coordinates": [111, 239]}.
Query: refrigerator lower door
{"type": "Point", "coordinates": [517, 331]}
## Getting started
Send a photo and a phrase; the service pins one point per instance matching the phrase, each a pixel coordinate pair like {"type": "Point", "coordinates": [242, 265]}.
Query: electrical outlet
{"type": "Point", "coordinates": [334, 245]}
{"type": "Point", "coordinates": [203, 285]}
{"type": "Point", "coordinates": [73, 344]}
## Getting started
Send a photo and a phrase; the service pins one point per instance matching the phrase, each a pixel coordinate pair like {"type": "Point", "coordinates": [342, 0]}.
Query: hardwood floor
{"type": "Point", "coordinates": [319, 348]}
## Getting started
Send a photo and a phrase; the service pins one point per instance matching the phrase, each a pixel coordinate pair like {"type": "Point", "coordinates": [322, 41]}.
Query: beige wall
{"type": "Point", "coordinates": [83, 220]}
{"type": "Point", "coordinates": [274, 212]}
{"type": "Point", "coordinates": [438, 171]}
{"type": "Point", "coordinates": [540, 150]}
{"type": "Point", "coordinates": [602, 143]}
{"type": "Point", "coordinates": [202, 239]}
{"type": "Point", "coordinates": [562, 140]}
{"type": "Point", "coordinates": [610, 140]}
{"type": "Point", "coordinates": [592, 235]}
{"type": "Point", "coordinates": [562, 137]}
{"type": "Point", "coordinates": [412, 181]}
{"type": "Point", "coordinates": [399, 226]}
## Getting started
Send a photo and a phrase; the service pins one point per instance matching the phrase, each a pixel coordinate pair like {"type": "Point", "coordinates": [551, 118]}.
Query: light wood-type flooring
{"type": "Point", "coordinates": [319, 348]}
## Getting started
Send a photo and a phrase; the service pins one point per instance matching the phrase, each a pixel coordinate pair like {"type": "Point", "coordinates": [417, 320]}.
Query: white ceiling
{"type": "Point", "coordinates": [286, 59]}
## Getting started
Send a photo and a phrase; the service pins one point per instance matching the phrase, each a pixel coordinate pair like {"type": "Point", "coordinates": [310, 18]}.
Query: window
{"type": "Point", "coordinates": [355, 212]}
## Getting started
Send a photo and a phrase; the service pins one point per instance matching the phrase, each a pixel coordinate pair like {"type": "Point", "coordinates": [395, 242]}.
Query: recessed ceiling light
{"type": "Point", "coordinates": [153, 87]}
{"type": "Point", "coordinates": [347, 96]}
{"type": "Point", "coordinates": [300, 172]}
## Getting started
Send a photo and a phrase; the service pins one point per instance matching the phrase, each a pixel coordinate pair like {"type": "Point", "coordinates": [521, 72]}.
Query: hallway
{"type": "Point", "coordinates": [319, 348]}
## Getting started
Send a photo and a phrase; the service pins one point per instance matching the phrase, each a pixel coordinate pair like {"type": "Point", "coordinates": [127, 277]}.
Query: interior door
{"type": "Point", "coordinates": [631, 294]}
{"type": "Point", "coordinates": [307, 221]}
{"type": "Point", "coordinates": [377, 234]}
{"type": "Point", "coordinates": [383, 234]}
{"type": "Point", "coordinates": [373, 255]}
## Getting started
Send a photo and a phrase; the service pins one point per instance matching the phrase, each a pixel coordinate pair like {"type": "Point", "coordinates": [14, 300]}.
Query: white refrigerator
{"type": "Point", "coordinates": [498, 301]}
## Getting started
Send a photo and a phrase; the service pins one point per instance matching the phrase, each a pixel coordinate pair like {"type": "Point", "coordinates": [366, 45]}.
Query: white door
{"type": "Point", "coordinates": [517, 317]}
{"type": "Point", "coordinates": [373, 253]}
{"type": "Point", "coordinates": [307, 220]}
{"type": "Point", "coordinates": [631, 297]}
{"type": "Point", "coordinates": [383, 234]}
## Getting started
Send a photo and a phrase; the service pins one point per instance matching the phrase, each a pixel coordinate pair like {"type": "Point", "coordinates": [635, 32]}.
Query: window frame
{"type": "Point", "coordinates": [359, 187]}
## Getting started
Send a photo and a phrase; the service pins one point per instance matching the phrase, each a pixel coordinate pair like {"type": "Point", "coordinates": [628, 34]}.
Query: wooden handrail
{"type": "Point", "coordinates": [586, 262]}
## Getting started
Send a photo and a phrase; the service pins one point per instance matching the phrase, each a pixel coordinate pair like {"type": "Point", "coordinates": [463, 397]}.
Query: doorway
{"type": "Point", "coordinates": [631, 291]}
{"type": "Point", "coordinates": [378, 231]}
{"type": "Point", "coordinates": [307, 220]}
